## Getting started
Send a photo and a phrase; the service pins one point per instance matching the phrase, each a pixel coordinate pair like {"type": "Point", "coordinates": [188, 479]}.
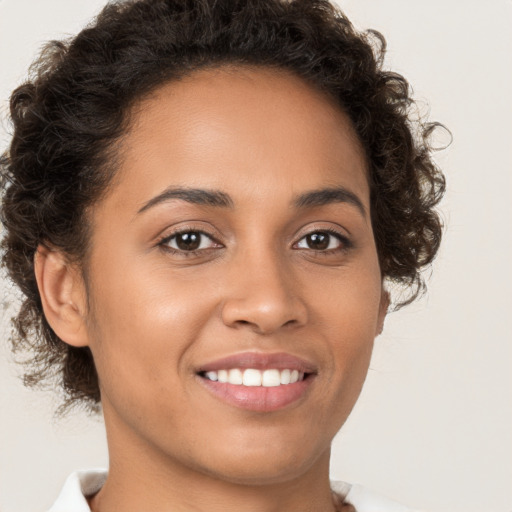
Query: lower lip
{"type": "Point", "coordinates": [259, 398]}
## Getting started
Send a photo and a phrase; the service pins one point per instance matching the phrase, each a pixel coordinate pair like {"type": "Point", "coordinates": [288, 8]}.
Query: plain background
{"type": "Point", "coordinates": [433, 426]}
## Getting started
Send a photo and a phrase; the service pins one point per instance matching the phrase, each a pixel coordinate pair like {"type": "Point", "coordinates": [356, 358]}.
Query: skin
{"type": "Point", "coordinates": [151, 317]}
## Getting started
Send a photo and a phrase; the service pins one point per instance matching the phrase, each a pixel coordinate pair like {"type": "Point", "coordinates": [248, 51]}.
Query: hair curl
{"type": "Point", "coordinates": [76, 104]}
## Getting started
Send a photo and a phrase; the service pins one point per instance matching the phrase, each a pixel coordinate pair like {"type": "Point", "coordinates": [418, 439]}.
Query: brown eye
{"type": "Point", "coordinates": [322, 241]}
{"type": "Point", "coordinates": [318, 241]}
{"type": "Point", "coordinates": [189, 241]}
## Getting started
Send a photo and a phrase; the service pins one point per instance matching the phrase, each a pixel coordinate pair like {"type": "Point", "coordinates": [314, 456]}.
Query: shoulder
{"type": "Point", "coordinates": [77, 486]}
{"type": "Point", "coordinates": [365, 500]}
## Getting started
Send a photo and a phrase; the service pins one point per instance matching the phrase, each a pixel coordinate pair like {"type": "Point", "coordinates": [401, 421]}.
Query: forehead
{"type": "Point", "coordinates": [261, 128]}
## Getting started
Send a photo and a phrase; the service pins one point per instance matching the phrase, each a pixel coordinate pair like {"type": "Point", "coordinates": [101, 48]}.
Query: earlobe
{"type": "Point", "coordinates": [62, 295]}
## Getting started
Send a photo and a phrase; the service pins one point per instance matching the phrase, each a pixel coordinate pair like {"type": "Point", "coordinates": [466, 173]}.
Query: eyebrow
{"type": "Point", "coordinates": [330, 195]}
{"type": "Point", "coordinates": [191, 195]}
{"type": "Point", "coordinates": [217, 198]}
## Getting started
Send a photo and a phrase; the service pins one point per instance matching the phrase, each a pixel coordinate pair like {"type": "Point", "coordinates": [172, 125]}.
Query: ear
{"type": "Point", "coordinates": [63, 296]}
{"type": "Point", "coordinates": [385, 301]}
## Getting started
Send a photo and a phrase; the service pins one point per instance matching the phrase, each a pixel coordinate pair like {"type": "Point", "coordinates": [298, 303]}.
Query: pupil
{"type": "Point", "coordinates": [318, 240]}
{"type": "Point", "coordinates": [188, 241]}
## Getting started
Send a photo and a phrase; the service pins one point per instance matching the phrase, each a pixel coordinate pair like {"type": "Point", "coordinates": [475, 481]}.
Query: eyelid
{"type": "Point", "coordinates": [315, 227]}
{"type": "Point", "coordinates": [338, 233]}
{"type": "Point", "coordinates": [341, 237]}
{"type": "Point", "coordinates": [163, 240]}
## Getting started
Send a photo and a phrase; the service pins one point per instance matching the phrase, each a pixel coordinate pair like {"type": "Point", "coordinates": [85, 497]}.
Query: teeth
{"type": "Point", "coordinates": [285, 376]}
{"type": "Point", "coordinates": [235, 376]}
{"type": "Point", "coordinates": [252, 377]}
{"type": "Point", "coordinates": [271, 378]}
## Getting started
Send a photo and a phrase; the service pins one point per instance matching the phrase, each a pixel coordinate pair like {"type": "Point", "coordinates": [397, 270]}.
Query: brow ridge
{"type": "Point", "coordinates": [217, 198]}
{"type": "Point", "coordinates": [324, 196]}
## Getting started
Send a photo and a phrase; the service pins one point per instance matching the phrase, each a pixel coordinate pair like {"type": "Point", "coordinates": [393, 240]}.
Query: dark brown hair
{"type": "Point", "coordinates": [76, 104]}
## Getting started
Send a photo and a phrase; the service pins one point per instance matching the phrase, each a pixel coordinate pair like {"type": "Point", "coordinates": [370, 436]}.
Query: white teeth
{"type": "Point", "coordinates": [252, 377]}
{"type": "Point", "coordinates": [271, 378]}
{"type": "Point", "coordinates": [235, 376]}
{"type": "Point", "coordinates": [212, 376]}
{"type": "Point", "coordinates": [285, 376]}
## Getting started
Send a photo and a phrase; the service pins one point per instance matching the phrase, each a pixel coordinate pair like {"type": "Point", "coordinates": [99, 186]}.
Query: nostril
{"type": "Point", "coordinates": [264, 312]}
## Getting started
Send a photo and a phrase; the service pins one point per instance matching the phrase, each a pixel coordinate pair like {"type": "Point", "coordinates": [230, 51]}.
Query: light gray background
{"type": "Point", "coordinates": [433, 426]}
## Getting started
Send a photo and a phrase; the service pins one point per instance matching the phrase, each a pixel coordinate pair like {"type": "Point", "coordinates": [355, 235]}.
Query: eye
{"type": "Point", "coordinates": [325, 240]}
{"type": "Point", "coordinates": [188, 241]}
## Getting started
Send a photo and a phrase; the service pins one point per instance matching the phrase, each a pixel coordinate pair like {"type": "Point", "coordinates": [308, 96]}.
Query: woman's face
{"type": "Point", "coordinates": [235, 244]}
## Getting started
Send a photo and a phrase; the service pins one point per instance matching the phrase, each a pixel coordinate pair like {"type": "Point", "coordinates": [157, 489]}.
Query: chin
{"type": "Point", "coordinates": [267, 466]}
{"type": "Point", "coordinates": [248, 473]}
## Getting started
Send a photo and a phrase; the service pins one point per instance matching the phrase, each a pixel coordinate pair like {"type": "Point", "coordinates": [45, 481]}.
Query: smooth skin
{"type": "Point", "coordinates": [266, 275]}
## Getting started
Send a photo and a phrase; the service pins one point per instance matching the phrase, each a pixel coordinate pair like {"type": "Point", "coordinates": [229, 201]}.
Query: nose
{"type": "Point", "coordinates": [263, 296]}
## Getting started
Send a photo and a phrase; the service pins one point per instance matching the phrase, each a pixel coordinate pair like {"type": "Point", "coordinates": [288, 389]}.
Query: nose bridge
{"type": "Point", "coordinates": [262, 291]}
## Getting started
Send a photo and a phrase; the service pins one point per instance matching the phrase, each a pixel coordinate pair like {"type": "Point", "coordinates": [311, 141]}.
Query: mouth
{"type": "Point", "coordinates": [258, 382]}
{"type": "Point", "coordinates": [252, 377]}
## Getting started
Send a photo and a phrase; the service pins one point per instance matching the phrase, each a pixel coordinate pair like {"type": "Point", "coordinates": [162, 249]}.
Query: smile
{"type": "Point", "coordinates": [258, 382]}
{"type": "Point", "coordinates": [252, 377]}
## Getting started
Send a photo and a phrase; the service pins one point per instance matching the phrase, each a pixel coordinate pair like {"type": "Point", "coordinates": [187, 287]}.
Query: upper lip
{"type": "Point", "coordinates": [260, 361]}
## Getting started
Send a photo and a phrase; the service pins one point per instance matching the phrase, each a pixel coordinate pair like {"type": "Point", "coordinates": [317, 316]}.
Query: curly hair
{"type": "Point", "coordinates": [75, 107]}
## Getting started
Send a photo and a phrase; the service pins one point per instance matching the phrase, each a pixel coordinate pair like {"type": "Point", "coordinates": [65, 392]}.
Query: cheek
{"type": "Point", "coordinates": [346, 312]}
{"type": "Point", "coordinates": [348, 303]}
{"type": "Point", "coordinates": [142, 324]}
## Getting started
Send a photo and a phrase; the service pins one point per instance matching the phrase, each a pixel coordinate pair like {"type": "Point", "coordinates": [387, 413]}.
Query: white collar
{"type": "Point", "coordinates": [78, 485]}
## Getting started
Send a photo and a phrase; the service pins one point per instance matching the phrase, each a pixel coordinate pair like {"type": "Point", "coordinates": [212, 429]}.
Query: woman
{"type": "Point", "coordinates": [203, 202]}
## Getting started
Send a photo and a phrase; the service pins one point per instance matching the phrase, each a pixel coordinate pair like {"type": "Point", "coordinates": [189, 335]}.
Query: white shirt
{"type": "Point", "coordinates": [86, 483]}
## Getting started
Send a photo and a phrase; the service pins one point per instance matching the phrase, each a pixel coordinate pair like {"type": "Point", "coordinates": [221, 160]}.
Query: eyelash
{"type": "Point", "coordinates": [346, 243]}
{"type": "Point", "coordinates": [163, 243]}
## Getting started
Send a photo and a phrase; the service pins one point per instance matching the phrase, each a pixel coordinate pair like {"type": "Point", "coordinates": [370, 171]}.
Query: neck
{"type": "Point", "coordinates": [142, 478]}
